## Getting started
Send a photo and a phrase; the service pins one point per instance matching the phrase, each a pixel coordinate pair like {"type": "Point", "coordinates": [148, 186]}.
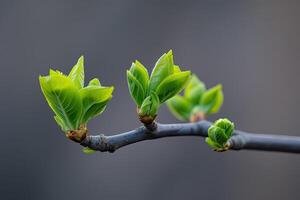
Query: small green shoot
{"type": "Point", "coordinates": [166, 81]}
{"type": "Point", "coordinates": [196, 101]}
{"type": "Point", "coordinates": [219, 133]}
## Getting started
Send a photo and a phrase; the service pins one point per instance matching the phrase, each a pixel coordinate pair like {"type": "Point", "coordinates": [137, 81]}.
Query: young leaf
{"type": "Point", "coordinates": [77, 73]}
{"type": "Point", "coordinates": [163, 68]}
{"type": "Point", "coordinates": [176, 69]}
{"type": "Point", "coordinates": [180, 107]}
{"type": "Point", "coordinates": [94, 99]}
{"type": "Point", "coordinates": [88, 150]}
{"type": "Point", "coordinates": [212, 99]}
{"type": "Point", "coordinates": [226, 125]}
{"type": "Point", "coordinates": [135, 88]}
{"type": "Point", "coordinates": [94, 94]}
{"type": "Point", "coordinates": [150, 105]}
{"type": "Point", "coordinates": [55, 72]}
{"type": "Point", "coordinates": [95, 110]}
{"type": "Point", "coordinates": [61, 123]}
{"type": "Point", "coordinates": [63, 97]}
{"type": "Point", "coordinates": [172, 85]}
{"type": "Point", "coordinates": [212, 144]}
{"type": "Point", "coordinates": [219, 133]}
{"type": "Point", "coordinates": [95, 82]}
{"type": "Point", "coordinates": [140, 73]}
{"type": "Point", "coordinates": [194, 90]}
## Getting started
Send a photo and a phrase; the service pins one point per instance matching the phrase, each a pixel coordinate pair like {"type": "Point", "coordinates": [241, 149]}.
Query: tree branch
{"type": "Point", "coordinates": [240, 140]}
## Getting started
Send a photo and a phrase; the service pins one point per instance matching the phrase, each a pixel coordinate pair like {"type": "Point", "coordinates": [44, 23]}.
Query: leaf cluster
{"type": "Point", "coordinates": [72, 103]}
{"type": "Point", "coordinates": [149, 92]}
{"type": "Point", "coordinates": [196, 99]}
{"type": "Point", "coordinates": [219, 133]}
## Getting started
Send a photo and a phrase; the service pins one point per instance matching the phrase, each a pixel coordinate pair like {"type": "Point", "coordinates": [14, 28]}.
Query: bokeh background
{"type": "Point", "coordinates": [251, 47]}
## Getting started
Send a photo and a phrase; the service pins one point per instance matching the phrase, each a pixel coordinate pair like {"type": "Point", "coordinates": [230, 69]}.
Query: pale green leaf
{"type": "Point", "coordinates": [150, 105]}
{"type": "Point", "coordinates": [77, 73]}
{"type": "Point", "coordinates": [176, 69]}
{"type": "Point", "coordinates": [94, 99]}
{"type": "Point", "coordinates": [136, 89]}
{"type": "Point", "coordinates": [61, 123]}
{"type": "Point", "coordinates": [194, 90]}
{"type": "Point", "coordinates": [63, 97]}
{"type": "Point", "coordinates": [172, 85]}
{"type": "Point", "coordinates": [180, 107]}
{"type": "Point", "coordinates": [163, 68]}
{"type": "Point", "coordinates": [95, 82]}
{"type": "Point", "coordinates": [95, 110]}
{"type": "Point", "coordinates": [140, 73]}
{"type": "Point", "coordinates": [88, 150]}
{"type": "Point", "coordinates": [212, 99]}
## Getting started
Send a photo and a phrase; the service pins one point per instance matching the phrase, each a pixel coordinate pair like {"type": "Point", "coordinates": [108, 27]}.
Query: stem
{"type": "Point", "coordinates": [264, 142]}
{"type": "Point", "coordinates": [240, 140]}
{"type": "Point", "coordinates": [151, 126]}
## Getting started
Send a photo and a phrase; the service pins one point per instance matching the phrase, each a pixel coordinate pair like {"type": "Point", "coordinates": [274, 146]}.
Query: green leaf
{"type": "Point", "coordinates": [219, 133]}
{"type": "Point", "coordinates": [88, 150]}
{"type": "Point", "coordinates": [163, 68]}
{"type": "Point", "coordinates": [94, 99]}
{"type": "Point", "coordinates": [176, 69]}
{"type": "Point", "coordinates": [212, 100]}
{"type": "Point", "coordinates": [225, 125]}
{"type": "Point", "coordinates": [180, 107]}
{"type": "Point", "coordinates": [135, 88]}
{"type": "Point", "coordinates": [55, 72]}
{"type": "Point", "coordinates": [72, 103]}
{"type": "Point", "coordinates": [172, 85]}
{"type": "Point", "coordinates": [140, 73]}
{"type": "Point", "coordinates": [63, 97]}
{"type": "Point", "coordinates": [212, 144]}
{"type": "Point", "coordinates": [61, 123]}
{"type": "Point", "coordinates": [95, 110]}
{"type": "Point", "coordinates": [194, 90]}
{"type": "Point", "coordinates": [77, 73]}
{"type": "Point", "coordinates": [150, 105]}
{"type": "Point", "coordinates": [95, 82]}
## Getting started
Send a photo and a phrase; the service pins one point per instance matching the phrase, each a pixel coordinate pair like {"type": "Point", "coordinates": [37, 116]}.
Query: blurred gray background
{"type": "Point", "coordinates": [251, 47]}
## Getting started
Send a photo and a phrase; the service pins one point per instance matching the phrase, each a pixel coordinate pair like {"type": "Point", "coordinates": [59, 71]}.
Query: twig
{"type": "Point", "coordinates": [240, 140]}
